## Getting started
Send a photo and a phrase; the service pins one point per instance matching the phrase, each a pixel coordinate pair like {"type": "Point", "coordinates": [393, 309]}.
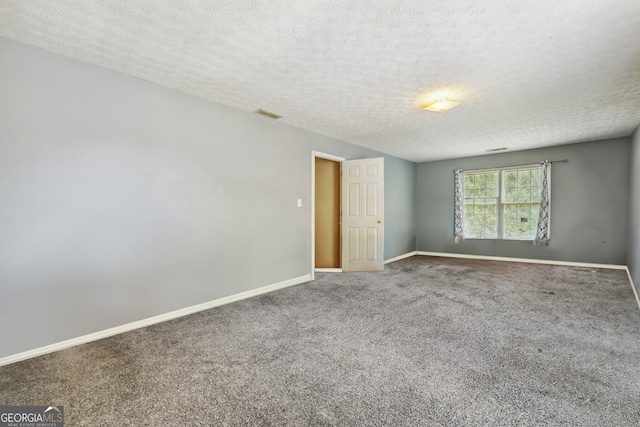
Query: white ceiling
{"type": "Point", "coordinates": [529, 73]}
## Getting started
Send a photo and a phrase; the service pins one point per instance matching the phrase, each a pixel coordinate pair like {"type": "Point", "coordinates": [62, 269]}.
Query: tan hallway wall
{"type": "Point", "coordinates": [327, 246]}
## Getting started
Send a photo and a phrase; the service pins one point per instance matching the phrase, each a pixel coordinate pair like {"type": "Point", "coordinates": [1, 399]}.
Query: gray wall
{"type": "Point", "coordinates": [633, 254]}
{"type": "Point", "coordinates": [589, 204]}
{"type": "Point", "coordinates": [122, 199]}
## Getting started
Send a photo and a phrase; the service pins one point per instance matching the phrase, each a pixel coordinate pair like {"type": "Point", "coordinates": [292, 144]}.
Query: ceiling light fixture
{"type": "Point", "coordinates": [441, 104]}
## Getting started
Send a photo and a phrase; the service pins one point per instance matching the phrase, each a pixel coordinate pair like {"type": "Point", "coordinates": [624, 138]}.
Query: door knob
{"type": "Point", "coordinates": [379, 222]}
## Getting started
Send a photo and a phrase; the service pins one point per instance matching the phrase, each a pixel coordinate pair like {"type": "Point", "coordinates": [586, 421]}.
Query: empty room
{"type": "Point", "coordinates": [391, 213]}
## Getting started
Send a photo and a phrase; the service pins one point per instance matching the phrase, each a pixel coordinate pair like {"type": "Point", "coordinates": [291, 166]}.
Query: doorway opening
{"type": "Point", "coordinates": [326, 238]}
{"type": "Point", "coordinates": [347, 214]}
{"type": "Point", "coordinates": [327, 210]}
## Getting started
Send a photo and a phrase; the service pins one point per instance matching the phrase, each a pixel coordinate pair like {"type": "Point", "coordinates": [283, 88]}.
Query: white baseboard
{"type": "Point", "coordinates": [266, 289]}
{"type": "Point", "coordinates": [633, 286]}
{"type": "Point", "coordinates": [152, 320]}
{"type": "Point", "coordinates": [387, 261]}
{"type": "Point", "coordinates": [525, 260]}
{"type": "Point", "coordinates": [399, 257]}
{"type": "Point", "coordinates": [540, 261]}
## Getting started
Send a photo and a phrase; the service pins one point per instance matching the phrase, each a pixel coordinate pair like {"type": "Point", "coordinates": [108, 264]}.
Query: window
{"type": "Point", "coordinates": [502, 203]}
{"type": "Point", "coordinates": [481, 204]}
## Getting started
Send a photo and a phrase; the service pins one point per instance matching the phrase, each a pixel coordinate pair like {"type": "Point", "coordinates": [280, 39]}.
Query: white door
{"type": "Point", "coordinates": [363, 215]}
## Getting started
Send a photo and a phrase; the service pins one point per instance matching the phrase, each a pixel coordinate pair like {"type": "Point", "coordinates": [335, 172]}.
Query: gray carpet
{"type": "Point", "coordinates": [429, 342]}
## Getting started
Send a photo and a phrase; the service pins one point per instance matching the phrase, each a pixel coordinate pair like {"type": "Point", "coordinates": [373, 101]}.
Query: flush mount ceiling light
{"type": "Point", "coordinates": [441, 104]}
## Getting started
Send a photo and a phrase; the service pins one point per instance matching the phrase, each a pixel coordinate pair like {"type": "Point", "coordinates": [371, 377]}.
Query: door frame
{"type": "Point", "coordinates": [314, 155]}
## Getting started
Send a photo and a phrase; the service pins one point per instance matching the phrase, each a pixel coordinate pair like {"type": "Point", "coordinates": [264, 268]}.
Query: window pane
{"type": "Point", "coordinates": [524, 212]}
{"type": "Point", "coordinates": [481, 184]}
{"type": "Point", "coordinates": [523, 229]}
{"type": "Point", "coordinates": [510, 229]}
{"type": "Point", "coordinates": [480, 181]}
{"type": "Point", "coordinates": [524, 178]}
{"type": "Point", "coordinates": [481, 219]}
{"type": "Point", "coordinates": [492, 180]}
{"type": "Point", "coordinates": [524, 195]}
{"type": "Point", "coordinates": [535, 194]}
{"type": "Point", "coordinates": [520, 203]}
{"type": "Point", "coordinates": [489, 221]}
{"type": "Point", "coordinates": [471, 223]}
{"type": "Point", "coordinates": [520, 220]}
{"type": "Point", "coordinates": [535, 176]}
{"type": "Point", "coordinates": [509, 213]}
{"type": "Point", "coordinates": [468, 182]}
{"type": "Point", "coordinates": [511, 178]}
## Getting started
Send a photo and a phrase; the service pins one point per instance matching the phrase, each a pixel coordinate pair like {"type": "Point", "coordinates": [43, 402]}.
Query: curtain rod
{"type": "Point", "coordinates": [515, 166]}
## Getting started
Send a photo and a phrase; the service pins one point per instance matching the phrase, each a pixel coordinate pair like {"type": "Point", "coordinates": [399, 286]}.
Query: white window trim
{"type": "Point", "coordinates": [500, 213]}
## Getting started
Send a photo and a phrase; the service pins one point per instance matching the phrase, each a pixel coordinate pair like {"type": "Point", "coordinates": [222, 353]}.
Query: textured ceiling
{"type": "Point", "coordinates": [529, 73]}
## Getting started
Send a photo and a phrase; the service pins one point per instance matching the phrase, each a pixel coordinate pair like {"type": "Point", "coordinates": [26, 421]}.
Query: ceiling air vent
{"type": "Point", "coordinates": [266, 113]}
{"type": "Point", "coordinates": [491, 150]}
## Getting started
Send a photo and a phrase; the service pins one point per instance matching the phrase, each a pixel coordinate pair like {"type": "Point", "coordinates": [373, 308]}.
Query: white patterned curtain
{"type": "Point", "coordinates": [458, 208]}
{"type": "Point", "coordinates": [542, 231]}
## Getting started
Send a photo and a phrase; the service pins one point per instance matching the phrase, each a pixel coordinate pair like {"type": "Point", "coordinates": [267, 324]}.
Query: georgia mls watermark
{"type": "Point", "coordinates": [31, 416]}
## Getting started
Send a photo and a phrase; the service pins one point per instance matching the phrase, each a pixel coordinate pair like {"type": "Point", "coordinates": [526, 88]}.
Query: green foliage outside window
{"type": "Point", "coordinates": [502, 204]}
{"type": "Point", "coordinates": [481, 204]}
